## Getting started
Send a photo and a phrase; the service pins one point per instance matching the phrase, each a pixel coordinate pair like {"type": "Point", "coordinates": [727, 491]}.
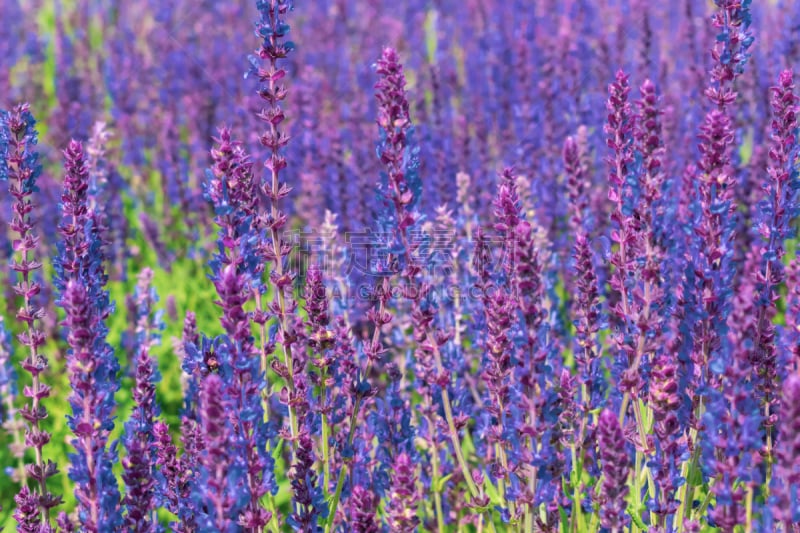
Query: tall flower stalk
{"type": "Point", "coordinates": [20, 168]}
{"type": "Point", "coordinates": [139, 464]}
{"type": "Point", "coordinates": [92, 366]}
{"type": "Point", "coordinates": [623, 192]}
{"type": "Point", "coordinates": [587, 319]}
{"type": "Point", "coordinates": [780, 209]}
{"type": "Point", "coordinates": [402, 188]}
{"type": "Point", "coordinates": [232, 190]}
{"type": "Point", "coordinates": [616, 468]}
{"type": "Point", "coordinates": [712, 250]}
{"type": "Point", "coordinates": [273, 30]}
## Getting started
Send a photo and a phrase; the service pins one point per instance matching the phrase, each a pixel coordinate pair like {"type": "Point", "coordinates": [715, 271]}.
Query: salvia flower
{"type": "Point", "coordinates": [73, 261]}
{"type": "Point", "coordinates": [219, 479]}
{"type": "Point", "coordinates": [665, 401]}
{"type": "Point", "coordinates": [272, 30]}
{"type": "Point", "coordinates": [139, 463]}
{"type": "Point", "coordinates": [792, 332]}
{"type": "Point", "coordinates": [649, 294]}
{"type": "Point", "coordinates": [624, 192]}
{"type": "Point", "coordinates": [91, 363]}
{"type": "Point", "coordinates": [309, 501]}
{"type": "Point", "coordinates": [778, 210]}
{"type": "Point", "coordinates": [616, 467]}
{"type": "Point", "coordinates": [576, 183]}
{"type": "Point", "coordinates": [232, 190]}
{"type": "Point", "coordinates": [243, 392]}
{"type": "Point", "coordinates": [189, 340]}
{"type": "Point", "coordinates": [402, 186]}
{"type": "Point", "coordinates": [96, 486]}
{"type": "Point", "coordinates": [402, 500]}
{"type": "Point", "coordinates": [363, 507]}
{"type": "Point", "coordinates": [20, 168]}
{"type": "Point", "coordinates": [715, 194]}
{"type": "Point", "coordinates": [642, 304]}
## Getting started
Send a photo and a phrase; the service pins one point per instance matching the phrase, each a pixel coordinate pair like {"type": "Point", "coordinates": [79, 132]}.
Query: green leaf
{"type": "Point", "coordinates": [438, 485]}
{"type": "Point", "coordinates": [638, 521]}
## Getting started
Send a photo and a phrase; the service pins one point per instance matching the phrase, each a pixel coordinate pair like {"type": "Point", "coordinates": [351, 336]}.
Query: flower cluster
{"type": "Point", "coordinates": [522, 272]}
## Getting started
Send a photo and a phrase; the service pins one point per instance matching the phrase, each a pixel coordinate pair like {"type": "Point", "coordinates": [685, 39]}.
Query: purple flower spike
{"type": "Point", "coordinates": [778, 210]}
{"type": "Point", "coordinates": [96, 488]}
{"type": "Point", "coordinates": [139, 464]}
{"type": "Point", "coordinates": [793, 314]}
{"type": "Point", "coordinates": [616, 467]}
{"type": "Point", "coordinates": [623, 193]}
{"type": "Point", "coordinates": [216, 459]}
{"type": "Point", "coordinates": [177, 475]}
{"type": "Point", "coordinates": [74, 213]}
{"type": "Point", "coordinates": [363, 505]}
{"type": "Point", "coordinates": [577, 183]}
{"type": "Point", "coordinates": [28, 515]}
{"type": "Point", "coordinates": [19, 167]}
{"type": "Point", "coordinates": [91, 363]}
{"type": "Point", "coordinates": [190, 338]}
{"type": "Point", "coordinates": [309, 501]}
{"type": "Point", "coordinates": [650, 294]}
{"type": "Point", "coordinates": [273, 30]}
{"type": "Point", "coordinates": [402, 501]}
{"type": "Point", "coordinates": [715, 186]}
{"type": "Point", "coordinates": [665, 401]}
{"type": "Point", "coordinates": [401, 186]}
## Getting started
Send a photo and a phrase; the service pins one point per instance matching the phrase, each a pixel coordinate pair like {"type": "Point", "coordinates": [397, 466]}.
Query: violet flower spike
{"type": "Point", "coordinates": [616, 467]}
{"type": "Point", "coordinates": [273, 30]}
{"type": "Point", "coordinates": [664, 400]}
{"type": "Point", "coordinates": [626, 235]}
{"type": "Point", "coordinates": [92, 366]}
{"type": "Point", "coordinates": [19, 167]}
{"type": "Point", "coordinates": [586, 307]}
{"type": "Point", "coordinates": [721, 397]}
{"type": "Point", "coordinates": [780, 209]}
{"type": "Point", "coordinates": [792, 331]}
{"type": "Point", "coordinates": [363, 508]}
{"type": "Point", "coordinates": [402, 500]}
{"type": "Point", "coordinates": [139, 464]}
{"type": "Point", "coordinates": [91, 469]}
{"type": "Point", "coordinates": [175, 477]}
{"type": "Point", "coordinates": [216, 458]}
{"type": "Point", "coordinates": [232, 189]}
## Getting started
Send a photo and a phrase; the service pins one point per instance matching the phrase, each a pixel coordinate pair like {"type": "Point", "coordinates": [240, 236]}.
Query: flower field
{"type": "Point", "coordinates": [377, 266]}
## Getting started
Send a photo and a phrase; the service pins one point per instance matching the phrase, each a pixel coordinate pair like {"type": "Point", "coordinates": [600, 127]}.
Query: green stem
{"type": "Point", "coordinates": [748, 527]}
{"type": "Point", "coordinates": [637, 492]}
{"type": "Point", "coordinates": [688, 489]}
{"type": "Point", "coordinates": [335, 502]}
{"type": "Point", "coordinates": [273, 521]}
{"type": "Point", "coordinates": [576, 519]}
{"type": "Point", "coordinates": [437, 496]}
{"type": "Point", "coordinates": [326, 466]}
{"type": "Point", "coordinates": [350, 436]}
